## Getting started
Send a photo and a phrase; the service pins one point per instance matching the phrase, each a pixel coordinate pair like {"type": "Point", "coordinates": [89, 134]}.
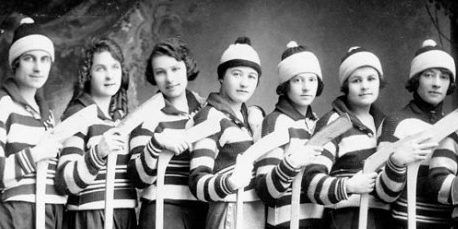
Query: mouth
{"type": "Point", "coordinates": [365, 94]}
{"type": "Point", "coordinates": [172, 86]}
{"type": "Point", "coordinates": [36, 76]}
{"type": "Point", "coordinates": [109, 84]}
{"type": "Point", "coordinates": [242, 91]}
{"type": "Point", "coordinates": [434, 93]}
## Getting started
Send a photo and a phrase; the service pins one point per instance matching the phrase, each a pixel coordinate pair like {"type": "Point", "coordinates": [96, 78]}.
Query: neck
{"type": "Point", "coordinates": [28, 94]}
{"type": "Point", "coordinates": [180, 102]}
{"type": "Point", "coordinates": [360, 110]}
{"type": "Point", "coordinates": [302, 110]}
{"type": "Point", "coordinates": [103, 103]}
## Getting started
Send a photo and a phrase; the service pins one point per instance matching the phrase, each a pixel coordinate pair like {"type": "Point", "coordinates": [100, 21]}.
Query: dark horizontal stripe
{"type": "Point", "coordinates": [97, 130]}
{"type": "Point", "coordinates": [268, 161]}
{"type": "Point", "coordinates": [71, 150]}
{"type": "Point", "coordinates": [140, 132]}
{"type": "Point", "coordinates": [13, 148]}
{"type": "Point", "coordinates": [177, 125]}
{"type": "Point", "coordinates": [352, 160]}
{"type": "Point", "coordinates": [15, 118]}
{"type": "Point", "coordinates": [119, 194]}
{"type": "Point", "coordinates": [26, 189]}
{"type": "Point", "coordinates": [299, 133]}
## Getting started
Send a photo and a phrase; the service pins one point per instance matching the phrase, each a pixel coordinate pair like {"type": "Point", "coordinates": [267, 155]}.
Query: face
{"type": "Point", "coordinates": [302, 89]}
{"type": "Point", "coordinates": [106, 74]}
{"type": "Point", "coordinates": [33, 69]}
{"type": "Point", "coordinates": [239, 83]}
{"type": "Point", "coordinates": [363, 87]}
{"type": "Point", "coordinates": [433, 85]}
{"type": "Point", "coordinates": [170, 76]}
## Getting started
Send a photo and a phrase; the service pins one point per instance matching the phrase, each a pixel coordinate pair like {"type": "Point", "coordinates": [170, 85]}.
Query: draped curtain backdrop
{"type": "Point", "coordinates": [393, 29]}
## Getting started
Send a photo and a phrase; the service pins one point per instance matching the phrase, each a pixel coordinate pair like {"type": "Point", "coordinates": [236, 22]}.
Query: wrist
{"type": "Point", "coordinates": [395, 161]}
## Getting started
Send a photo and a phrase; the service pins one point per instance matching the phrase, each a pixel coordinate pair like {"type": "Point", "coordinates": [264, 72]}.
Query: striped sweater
{"type": "Point", "coordinates": [391, 185]}
{"type": "Point", "coordinates": [81, 172]}
{"type": "Point", "coordinates": [145, 151]}
{"type": "Point", "coordinates": [213, 158]}
{"type": "Point", "coordinates": [443, 171]}
{"type": "Point", "coordinates": [341, 159]}
{"type": "Point", "coordinates": [20, 129]}
{"type": "Point", "coordinates": [274, 174]}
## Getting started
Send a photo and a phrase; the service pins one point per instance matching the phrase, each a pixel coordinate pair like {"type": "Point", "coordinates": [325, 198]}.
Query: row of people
{"type": "Point", "coordinates": [202, 178]}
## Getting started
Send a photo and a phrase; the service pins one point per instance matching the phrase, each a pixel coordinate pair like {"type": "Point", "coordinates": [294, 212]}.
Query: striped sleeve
{"type": "Point", "coordinates": [321, 187]}
{"type": "Point", "coordinates": [203, 182]}
{"type": "Point", "coordinates": [443, 170]}
{"type": "Point", "coordinates": [77, 169]}
{"type": "Point", "coordinates": [274, 174]}
{"type": "Point", "coordinates": [391, 180]}
{"type": "Point", "coordinates": [142, 167]}
{"type": "Point", "coordinates": [15, 165]}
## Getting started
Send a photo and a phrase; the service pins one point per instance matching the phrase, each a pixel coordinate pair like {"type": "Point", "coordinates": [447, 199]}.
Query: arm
{"type": "Point", "coordinates": [77, 168]}
{"type": "Point", "coordinates": [142, 167]}
{"type": "Point", "coordinates": [443, 170]}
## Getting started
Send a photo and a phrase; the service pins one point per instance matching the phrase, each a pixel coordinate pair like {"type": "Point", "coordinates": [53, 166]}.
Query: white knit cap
{"type": "Point", "coordinates": [239, 54]}
{"type": "Point", "coordinates": [302, 61]}
{"type": "Point", "coordinates": [29, 36]}
{"type": "Point", "coordinates": [355, 58]}
{"type": "Point", "coordinates": [431, 56]}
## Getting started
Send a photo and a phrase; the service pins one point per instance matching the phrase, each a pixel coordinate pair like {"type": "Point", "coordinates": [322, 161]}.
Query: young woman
{"type": "Point", "coordinates": [215, 175]}
{"type": "Point", "coordinates": [431, 78]}
{"type": "Point", "coordinates": [334, 180]}
{"type": "Point", "coordinates": [24, 140]}
{"type": "Point", "coordinates": [82, 166]}
{"type": "Point", "coordinates": [169, 67]}
{"type": "Point", "coordinates": [300, 82]}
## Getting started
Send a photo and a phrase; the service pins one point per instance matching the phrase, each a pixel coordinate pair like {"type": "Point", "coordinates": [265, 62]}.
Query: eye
{"type": "Point", "coordinates": [236, 73]}
{"type": "Point", "coordinates": [159, 72]}
{"type": "Point", "coordinates": [46, 59]}
{"type": "Point", "coordinates": [428, 74]}
{"type": "Point", "coordinates": [253, 76]}
{"type": "Point", "coordinates": [98, 68]}
{"type": "Point", "coordinates": [116, 66]}
{"type": "Point", "coordinates": [27, 58]}
{"type": "Point", "coordinates": [313, 79]}
{"type": "Point", "coordinates": [175, 68]}
{"type": "Point", "coordinates": [444, 76]}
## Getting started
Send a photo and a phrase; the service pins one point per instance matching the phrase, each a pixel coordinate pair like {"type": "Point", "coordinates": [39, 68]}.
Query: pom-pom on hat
{"type": "Point", "coordinates": [355, 58]}
{"type": "Point", "coordinates": [297, 59]}
{"type": "Point", "coordinates": [430, 55]}
{"type": "Point", "coordinates": [239, 54]}
{"type": "Point", "coordinates": [29, 36]}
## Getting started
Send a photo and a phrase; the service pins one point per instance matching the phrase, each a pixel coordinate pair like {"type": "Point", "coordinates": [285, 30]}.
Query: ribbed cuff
{"type": "Point", "coordinates": [394, 167]}
{"type": "Point", "coordinates": [342, 189]}
{"type": "Point", "coordinates": [286, 171]}
{"type": "Point", "coordinates": [25, 160]}
{"type": "Point", "coordinates": [94, 162]}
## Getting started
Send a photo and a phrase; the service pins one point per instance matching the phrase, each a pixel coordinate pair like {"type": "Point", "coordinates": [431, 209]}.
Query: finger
{"type": "Point", "coordinates": [422, 138]}
{"type": "Point", "coordinates": [428, 145]}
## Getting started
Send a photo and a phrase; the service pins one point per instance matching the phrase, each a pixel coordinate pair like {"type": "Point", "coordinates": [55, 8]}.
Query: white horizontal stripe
{"type": "Point", "coordinates": [354, 201]}
{"type": "Point", "coordinates": [49, 199]}
{"type": "Point", "coordinates": [101, 205]}
{"type": "Point", "coordinates": [173, 192]}
{"type": "Point", "coordinates": [356, 143]}
{"type": "Point", "coordinates": [282, 214]}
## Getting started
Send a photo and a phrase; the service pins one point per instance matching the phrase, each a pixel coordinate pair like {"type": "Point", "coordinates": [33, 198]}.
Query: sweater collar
{"type": "Point", "coordinates": [10, 86]}
{"type": "Point", "coordinates": [86, 100]}
{"type": "Point", "coordinates": [193, 105]}
{"type": "Point", "coordinates": [285, 106]}
{"type": "Point", "coordinates": [218, 102]}
{"type": "Point", "coordinates": [340, 106]}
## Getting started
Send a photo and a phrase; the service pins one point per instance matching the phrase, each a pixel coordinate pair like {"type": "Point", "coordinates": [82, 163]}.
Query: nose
{"type": "Point", "coordinates": [37, 66]}
{"type": "Point", "coordinates": [244, 81]}
{"type": "Point", "coordinates": [436, 81]}
{"type": "Point", "coordinates": [305, 86]}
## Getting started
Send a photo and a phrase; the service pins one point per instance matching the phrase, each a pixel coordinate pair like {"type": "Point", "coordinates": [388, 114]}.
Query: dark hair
{"type": "Point", "coordinates": [83, 85]}
{"type": "Point", "coordinates": [177, 49]}
{"type": "Point", "coordinates": [283, 88]}
{"type": "Point", "coordinates": [413, 83]}
{"type": "Point", "coordinates": [344, 87]}
{"type": "Point", "coordinates": [15, 64]}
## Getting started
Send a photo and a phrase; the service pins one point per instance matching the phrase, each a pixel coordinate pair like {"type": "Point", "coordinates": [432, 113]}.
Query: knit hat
{"type": "Point", "coordinates": [430, 55]}
{"type": "Point", "coordinates": [295, 60]}
{"type": "Point", "coordinates": [239, 54]}
{"type": "Point", "coordinates": [29, 36]}
{"type": "Point", "coordinates": [355, 58]}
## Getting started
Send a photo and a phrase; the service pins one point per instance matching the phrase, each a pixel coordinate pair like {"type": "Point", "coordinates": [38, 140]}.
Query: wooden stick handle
{"type": "Point", "coordinates": [109, 189]}
{"type": "Point", "coordinates": [40, 195]}
{"type": "Point", "coordinates": [296, 200]}
{"type": "Point", "coordinates": [164, 158]}
{"type": "Point", "coordinates": [412, 172]}
{"type": "Point", "coordinates": [239, 209]}
{"type": "Point", "coordinates": [363, 209]}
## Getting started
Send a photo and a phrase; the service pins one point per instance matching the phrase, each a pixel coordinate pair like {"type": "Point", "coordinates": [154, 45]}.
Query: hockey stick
{"type": "Point", "coordinates": [67, 128]}
{"type": "Point", "coordinates": [147, 110]}
{"type": "Point", "coordinates": [331, 131]}
{"type": "Point", "coordinates": [438, 131]}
